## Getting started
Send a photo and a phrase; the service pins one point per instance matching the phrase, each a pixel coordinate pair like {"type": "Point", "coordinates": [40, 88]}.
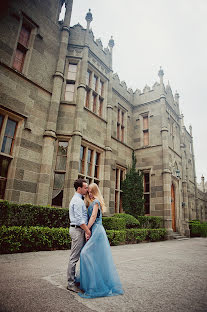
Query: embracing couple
{"type": "Point", "coordinates": [98, 275]}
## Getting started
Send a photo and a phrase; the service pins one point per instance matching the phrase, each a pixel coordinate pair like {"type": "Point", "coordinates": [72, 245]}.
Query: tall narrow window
{"type": "Point", "coordinates": [145, 131]}
{"type": "Point", "coordinates": [8, 129]}
{"type": "Point", "coordinates": [101, 88]}
{"type": "Point", "coordinates": [147, 192]}
{"type": "Point", "coordinates": [120, 172]}
{"type": "Point", "coordinates": [82, 159]}
{"type": "Point", "coordinates": [100, 109]}
{"type": "Point", "coordinates": [59, 174]}
{"type": "Point", "coordinates": [9, 136]}
{"type": "Point", "coordinates": [89, 164]}
{"type": "Point", "coordinates": [72, 71]}
{"type": "Point", "coordinates": [70, 82]}
{"type": "Point", "coordinates": [87, 98]}
{"type": "Point", "coordinates": [22, 47]}
{"type": "Point", "coordinates": [96, 171]}
{"type": "Point", "coordinates": [4, 166]}
{"type": "Point", "coordinates": [95, 83]}
{"type": "Point", "coordinates": [88, 78]}
{"type": "Point", "coordinates": [120, 125]}
{"type": "Point", "coordinates": [69, 91]}
{"type": "Point", "coordinates": [94, 102]}
{"type": "Point", "coordinates": [94, 93]}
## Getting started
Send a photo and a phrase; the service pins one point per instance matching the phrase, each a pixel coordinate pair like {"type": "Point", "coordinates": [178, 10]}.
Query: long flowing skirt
{"type": "Point", "coordinates": [98, 274]}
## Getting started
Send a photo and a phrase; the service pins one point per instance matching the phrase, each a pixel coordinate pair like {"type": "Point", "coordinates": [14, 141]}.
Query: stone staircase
{"type": "Point", "coordinates": [178, 236]}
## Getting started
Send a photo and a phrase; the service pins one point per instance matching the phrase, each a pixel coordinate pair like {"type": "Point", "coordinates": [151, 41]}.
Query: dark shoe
{"type": "Point", "coordinates": [73, 288]}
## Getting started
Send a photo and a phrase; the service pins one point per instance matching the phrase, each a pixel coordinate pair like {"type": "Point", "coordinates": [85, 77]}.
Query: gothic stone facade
{"type": "Point", "coordinates": [64, 114]}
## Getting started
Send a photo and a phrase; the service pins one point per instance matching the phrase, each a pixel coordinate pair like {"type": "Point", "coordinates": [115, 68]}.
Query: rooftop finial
{"type": "Point", "coordinates": [177, 96]}
{"type": "Point", "coordinates": [161, 72]}
{"type": "Point", "coordinates": [89, 16]}
{"type": "Point", "coordinates": [111, 43]}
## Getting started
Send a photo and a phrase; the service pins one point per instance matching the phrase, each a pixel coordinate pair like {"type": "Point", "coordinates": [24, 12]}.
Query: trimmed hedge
{"type": "Point", "coordinates": [116, 237]}
{"type": "Point", "coordinates": [112, 223]}
{"type": "Point", "coordinates": [24, 239]}
{"type": "Point", "coordinates": [131, 222]}
{"type": "Point", "coordinates": [12, 214]}
{"type": "Point", "coordinates": [133, 236]}
{"type": "Point", "coordinates": [198, 229]}
{"type": "Point", "coordinates": [157, 234]}
{"type": "Point", "coordinates": [150, 222]}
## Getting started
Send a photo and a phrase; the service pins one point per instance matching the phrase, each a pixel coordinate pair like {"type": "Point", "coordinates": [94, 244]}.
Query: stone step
{"type": "Point", "coordinates": [178, 236]}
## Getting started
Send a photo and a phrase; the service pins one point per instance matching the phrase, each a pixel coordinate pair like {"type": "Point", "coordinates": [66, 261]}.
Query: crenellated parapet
{"type": "Point", "coordinates": [78, 41]}
{"type": "Point", "coordinates": [121, 88]}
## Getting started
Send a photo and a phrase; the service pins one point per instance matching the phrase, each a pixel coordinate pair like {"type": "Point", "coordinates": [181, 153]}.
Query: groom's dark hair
{"type": "Point", "coordinates": [79, 183]}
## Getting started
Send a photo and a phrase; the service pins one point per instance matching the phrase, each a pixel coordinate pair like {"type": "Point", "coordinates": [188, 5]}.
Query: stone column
{"type": "Point", "coordinates": [108, 189]}
{"type": "Point", "coordinates": [166, 173]}
{"type": "Point", "coordinates": [184, 182]}
{"type": "Point", "coordinates": [194, 176]}
{"type": "Point", "coordinates": [80, 101]}
{"type": "Point", "coordinates": [43, 188]}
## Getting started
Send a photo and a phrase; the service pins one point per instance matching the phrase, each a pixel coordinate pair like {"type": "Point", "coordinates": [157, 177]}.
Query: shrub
{"type": "Point", "coordinates": [132, 186]}
{"type": "Point", "coordinates": [113, 223]}
{"type": "Point", "coordinates": [23, 239]}
{"type": "Point", "coordinates": [150, 222]}
{"type": "Point", "coordinates": [12, 214]}
{"type": "Point", "coordinates": [132, 234]}
{"type": "Point", "coordinates": [116, 237]}
{"type": "Point", "coordinates": [157, 234]}
{"type": "Point", "coordinates": [197, 228]}
{"type": "Point", "coordinates": [131, 222]}
{"type": "Point", "coordinates": [141, 235]}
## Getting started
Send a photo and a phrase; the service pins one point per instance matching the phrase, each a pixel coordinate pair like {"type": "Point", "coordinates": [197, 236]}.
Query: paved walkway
{"type": "Point", "coordinates": [162, 276]}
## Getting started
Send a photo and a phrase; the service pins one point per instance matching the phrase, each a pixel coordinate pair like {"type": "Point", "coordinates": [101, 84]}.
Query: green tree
{"type": "Point", "coordinates": [132, 186]}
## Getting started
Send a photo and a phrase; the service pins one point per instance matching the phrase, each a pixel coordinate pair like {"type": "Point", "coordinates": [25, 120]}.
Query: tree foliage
{"type": "Point", "coordinates": [132, 186]}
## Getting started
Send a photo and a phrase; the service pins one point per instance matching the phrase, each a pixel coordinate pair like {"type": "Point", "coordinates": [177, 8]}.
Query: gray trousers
{"type": "Point", "coordinates": [78, 240]}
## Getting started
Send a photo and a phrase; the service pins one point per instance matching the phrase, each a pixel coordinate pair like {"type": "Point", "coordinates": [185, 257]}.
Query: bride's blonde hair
{"type": "Point", "coordinates": [97, 195]}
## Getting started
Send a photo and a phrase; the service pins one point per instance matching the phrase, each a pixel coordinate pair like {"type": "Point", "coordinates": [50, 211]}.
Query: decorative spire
{"type": "Point", "coordinates": [203, 183]}
{"type": "Point", "coordinates": [190, 129]}
{"type": "Point", "coordinates": [111, 43]}
{"type": "Point", "coordinates": [177, 96]}
{"type": "Point", "coordinates": [161, 72]}
{"type": "Point", "coordinates": [89, 17]}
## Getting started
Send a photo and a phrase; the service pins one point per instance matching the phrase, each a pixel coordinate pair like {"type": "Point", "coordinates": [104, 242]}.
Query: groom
{"type": "Point", "coordinates": [78, 229]}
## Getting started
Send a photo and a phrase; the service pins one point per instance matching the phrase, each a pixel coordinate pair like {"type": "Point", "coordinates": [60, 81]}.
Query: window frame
{"type": "Point", "coordinates": [120, 125]}
{"type": "Point", "coordinates": [146, 193]}
{"type": "Point", "coordinates": [145, 129]}
{"type": "Point", "coordinates": [94, 166]}
{"type": "Point", "coordinates": [9, 157]}
{"type": "Point", "coordinates": [118, 191]}
{"type": "Point", "coordinates": [59, 172]}
{"type": "Point", "coordinates": [70, 81]}
{"type": "Point", "coordinates": [26, 49]}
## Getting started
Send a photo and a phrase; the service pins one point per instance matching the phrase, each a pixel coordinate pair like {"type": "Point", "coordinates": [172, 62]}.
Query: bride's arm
{"type": "Point", "coordinates": [93, 216]}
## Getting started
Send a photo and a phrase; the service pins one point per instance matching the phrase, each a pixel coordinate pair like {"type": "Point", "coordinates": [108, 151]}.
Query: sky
{"type": "Point", "coordinates": [153, 33]}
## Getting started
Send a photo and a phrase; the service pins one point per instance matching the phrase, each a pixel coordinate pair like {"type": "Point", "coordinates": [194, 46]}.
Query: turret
{"type": "Point", "coordinates": [89, 18]}
{"type": "Point", "coordinates": [177, 96]}
{"type": "Point", "coordinates": [203, 183]}
{"type": "Point", "coordinates": [111, 45]}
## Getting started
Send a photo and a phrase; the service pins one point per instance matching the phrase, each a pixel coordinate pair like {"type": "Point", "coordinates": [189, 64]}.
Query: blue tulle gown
{"type": "Point", "coordinates": [98, 274]}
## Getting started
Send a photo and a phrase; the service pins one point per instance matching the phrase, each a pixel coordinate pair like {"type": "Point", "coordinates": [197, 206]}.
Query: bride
{"type": "Point", "coordinates": [98, 274]}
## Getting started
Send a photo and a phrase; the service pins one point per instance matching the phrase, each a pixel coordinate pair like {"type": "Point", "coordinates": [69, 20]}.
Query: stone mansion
{"type": "Point", "coordinates": [64, 114]}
